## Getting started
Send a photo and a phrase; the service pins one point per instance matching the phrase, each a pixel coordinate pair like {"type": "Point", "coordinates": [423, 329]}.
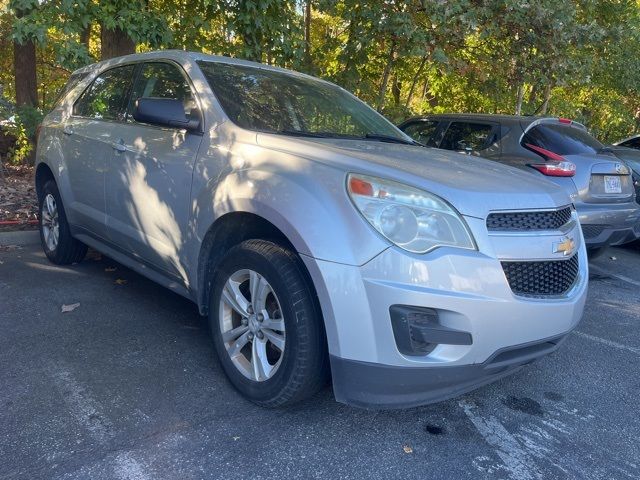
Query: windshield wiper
{"type": "Point", "coordinates": [390, 139]}
{"type": "Point", "coordinates": [303, 133]}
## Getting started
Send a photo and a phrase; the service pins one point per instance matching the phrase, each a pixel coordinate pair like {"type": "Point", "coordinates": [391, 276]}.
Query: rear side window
{"type": "Point", "coordinates": [561, 139]}
{"type": "Point", "coordinates": [106, 98]}
{"type": "Point", "coordinates": [462, 136]}
{"type": "Point", "coordinates": [422, 132]}
{"type": "Point", "coordinates": [74, 80]}
{"type": "Point", "coordinates": [162, 80]}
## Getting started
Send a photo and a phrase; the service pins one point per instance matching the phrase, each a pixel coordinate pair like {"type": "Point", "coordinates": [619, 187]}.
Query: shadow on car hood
{"type": "Point", "coordinates": [473, 185]}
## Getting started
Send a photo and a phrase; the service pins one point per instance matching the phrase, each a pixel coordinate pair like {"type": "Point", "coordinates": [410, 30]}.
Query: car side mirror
{"type": "Point", "coordinates": [165, 112]}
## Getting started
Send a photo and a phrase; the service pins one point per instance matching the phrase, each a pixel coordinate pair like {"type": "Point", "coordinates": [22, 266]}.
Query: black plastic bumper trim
{"type": "Point", "coordinates": [378, 386]}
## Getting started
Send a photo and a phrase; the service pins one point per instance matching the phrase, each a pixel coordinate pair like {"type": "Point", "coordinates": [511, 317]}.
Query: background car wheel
{"type": "Point", "coordinates": [266, 326]}
{"type": "Point", "coordinates": [58, 244]}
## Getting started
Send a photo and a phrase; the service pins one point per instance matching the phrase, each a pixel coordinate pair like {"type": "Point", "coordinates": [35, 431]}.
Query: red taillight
{"type": "Point", "coordinates": [360, 187]}
{"type": "Point", "coordinates": [547, 154]}
{"type": "Point", "coordinates": [567, 121]}
{"type": "Point", "coordinates": [556, 169]}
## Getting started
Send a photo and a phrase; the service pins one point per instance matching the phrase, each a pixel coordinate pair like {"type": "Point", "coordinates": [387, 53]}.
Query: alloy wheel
{"type": "Point", "coordinates": [50, 222]}
{"type": "Point", "coordinates": [252, 325]}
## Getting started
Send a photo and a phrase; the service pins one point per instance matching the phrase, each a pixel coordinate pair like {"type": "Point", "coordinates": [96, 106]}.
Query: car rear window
{"type": "Point", "coordinates": [562, 139]}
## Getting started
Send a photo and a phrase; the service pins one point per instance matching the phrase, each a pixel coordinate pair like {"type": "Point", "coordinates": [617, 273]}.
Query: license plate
{"type": "Point", "coordinates": [612, 184]}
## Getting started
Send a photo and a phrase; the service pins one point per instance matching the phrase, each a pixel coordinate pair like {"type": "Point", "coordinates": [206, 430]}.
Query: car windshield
{"type": "Point", "coordinates": [278, 102]}
{"type": "Point", "coordinates": [562, 139]}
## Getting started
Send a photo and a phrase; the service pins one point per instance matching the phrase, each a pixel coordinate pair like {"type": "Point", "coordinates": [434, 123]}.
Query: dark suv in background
{"type": "Point", "coordinates": [560, 149]}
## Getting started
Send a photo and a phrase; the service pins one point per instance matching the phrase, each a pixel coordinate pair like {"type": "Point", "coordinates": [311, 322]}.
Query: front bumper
{"type": "Point", "coordinates": [469, 292]}
{"type": "Point", "coordinates": [609, 224]}
{"type": "Point", "coordinates": [370, 385]}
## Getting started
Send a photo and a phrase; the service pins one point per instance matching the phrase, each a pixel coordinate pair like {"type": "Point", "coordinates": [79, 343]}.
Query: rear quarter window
{"type": "Point", "coordinates": [562, 139]}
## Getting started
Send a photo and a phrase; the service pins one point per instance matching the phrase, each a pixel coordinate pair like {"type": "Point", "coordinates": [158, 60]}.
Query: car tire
{"type": "Point", "coordinates": [274, 355]}
{"type": "Point", "coordinates": [58, 244]}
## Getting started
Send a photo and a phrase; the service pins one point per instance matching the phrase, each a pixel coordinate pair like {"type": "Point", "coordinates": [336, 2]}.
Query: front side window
{"type": "Point", "coordinates": [461, 136]}
{"type": "Point", "coordinates": [422, 132]}
{"type": "Point", "coordinates": [271, 101]}
{"type": "Point", "coordinates": [106, 98]}
{"type": "Point", "coordinates": [162, 80]}
{"type": "Point", "coordinates": [561, 139]}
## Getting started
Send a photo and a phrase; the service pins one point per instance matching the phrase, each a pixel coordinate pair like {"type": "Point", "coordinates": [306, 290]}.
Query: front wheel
{"type": "Point", "coordinates": [266, 327]}
{"type": "Point", "coordinates": [58, 244]}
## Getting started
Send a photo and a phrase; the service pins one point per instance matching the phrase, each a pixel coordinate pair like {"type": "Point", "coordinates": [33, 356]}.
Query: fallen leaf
{"type": "Point", "coordinates": [110, 269]}
{"type": "Point", "coordinates": [236, 438]}
{"type": "Point", "coordinates": [613, 258]}
{"type": "Point", "coordinates": [70, 308]}
{"type": "Point", "coordinates": [120, 281]}
{"type": "Point", "coordinates": [407, 449]}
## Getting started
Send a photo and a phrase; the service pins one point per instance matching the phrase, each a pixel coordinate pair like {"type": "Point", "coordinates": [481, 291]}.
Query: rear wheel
{"type": "Point", "coordinates": [58, 244]}
{"type": "Point", "coordinates": [266, 328]}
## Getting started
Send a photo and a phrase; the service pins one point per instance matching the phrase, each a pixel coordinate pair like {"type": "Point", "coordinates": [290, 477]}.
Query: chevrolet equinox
{"type": "Point", "coordinates": [319, 240]}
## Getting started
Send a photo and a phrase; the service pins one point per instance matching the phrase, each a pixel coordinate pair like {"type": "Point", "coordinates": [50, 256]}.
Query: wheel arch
{"type": "Point", "coordinates": [43, 174]}
{"type": "Point", "coordinates": [227, 231]}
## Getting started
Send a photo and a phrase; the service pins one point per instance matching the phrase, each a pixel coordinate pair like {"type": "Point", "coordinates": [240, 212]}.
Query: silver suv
{"type": "Point", "coordinates": [314, 234]}
{"type": "Point", "coordinates": [559, 149]}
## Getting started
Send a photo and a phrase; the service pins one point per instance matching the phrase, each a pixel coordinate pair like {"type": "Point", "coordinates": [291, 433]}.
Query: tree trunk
{"type": "Point", "coordinates": [412, 89]}
{"type": "Point", "coordinates": [24, 71]}
{"type": "Point", "coordinates": [547, 97]}
{"type": "Point", "coordinates": [115, 43]}
{"type": "Point", "coordinates": [385, 76]}
{"type": "Point", "coordinates": [519, 98]}
{"type": "Point", "coordinates": [85, 36]}
{"type": "Point", "coordinates": [307, 37]}
{"type": "Point", "coordinates": [396, 90]}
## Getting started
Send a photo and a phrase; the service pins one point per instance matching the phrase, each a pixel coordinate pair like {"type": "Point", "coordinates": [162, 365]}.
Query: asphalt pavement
{"type": "Point", "coordinates": [126, 386]}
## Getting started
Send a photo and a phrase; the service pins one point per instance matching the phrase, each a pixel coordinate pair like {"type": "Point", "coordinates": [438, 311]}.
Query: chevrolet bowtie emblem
{"type": "Point", "coordinates": [564, 246]}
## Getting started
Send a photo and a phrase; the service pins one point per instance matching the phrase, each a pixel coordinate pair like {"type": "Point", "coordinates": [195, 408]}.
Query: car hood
{"type": "Point", "coordinates": [473, 185]}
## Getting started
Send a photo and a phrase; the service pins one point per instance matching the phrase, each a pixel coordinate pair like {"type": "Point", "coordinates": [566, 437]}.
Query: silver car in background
{"type": "Point", "coordinates": [313, 233]}
{"type": "Point", "coordinates": [559, 149]}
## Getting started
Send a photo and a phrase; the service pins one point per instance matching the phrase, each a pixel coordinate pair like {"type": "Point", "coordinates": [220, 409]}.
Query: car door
{"type": "Point", "coordinates": [88, 145]}
{"type": "Point", "coordinates": [149, 177]}
{"type": "Point", "coordinates": [472, 138]}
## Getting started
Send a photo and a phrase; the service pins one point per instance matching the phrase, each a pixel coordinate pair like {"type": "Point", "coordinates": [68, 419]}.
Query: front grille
{"type": "Point", "coordinates": [532, 279]}
{"type": "Point", "coordinates": [527, 221]}
{"type": "Point", "coordinates": [592, 231]}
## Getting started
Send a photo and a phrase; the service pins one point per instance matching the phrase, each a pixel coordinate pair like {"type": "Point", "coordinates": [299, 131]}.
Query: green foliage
{"type": "Point", "coordinates": [575, 58]}
{"type": "Point", "coordinates": [22, 125]}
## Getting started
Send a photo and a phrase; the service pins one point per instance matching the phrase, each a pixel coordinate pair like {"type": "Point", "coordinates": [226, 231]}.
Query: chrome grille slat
{"type": "Point", "coordinates": [542, 278]}
{"type": "Point", "coordinates": [528, 221]}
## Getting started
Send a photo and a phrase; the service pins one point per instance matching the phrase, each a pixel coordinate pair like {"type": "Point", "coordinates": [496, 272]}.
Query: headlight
{"type": "Point", "coordinates": [412, 219]}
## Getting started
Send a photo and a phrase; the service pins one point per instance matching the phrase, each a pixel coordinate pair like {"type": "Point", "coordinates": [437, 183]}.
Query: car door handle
{"type": "Point", "coordinates": [119, 146]}
{"type": "Point", "coordinates": [67, 130]}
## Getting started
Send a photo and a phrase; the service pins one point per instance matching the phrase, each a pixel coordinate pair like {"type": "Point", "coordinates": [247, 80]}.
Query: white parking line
{"type": "Point", "coordinates": [516, 459]}
{"type": "Point", "coordinates": [128, 468]}
{"type": "Point", "coordinates": [623, 278]}
{"type": "Point", "coordinates": [82, 406]}
{"type": "Point", "coordinates": [88, 412]}
{"type": "Point", "coordinates": [609, 343]}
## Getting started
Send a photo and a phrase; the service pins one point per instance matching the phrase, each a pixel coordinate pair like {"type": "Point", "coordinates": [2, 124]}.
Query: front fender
{"type": "Point", "coordinates": [309, 206]}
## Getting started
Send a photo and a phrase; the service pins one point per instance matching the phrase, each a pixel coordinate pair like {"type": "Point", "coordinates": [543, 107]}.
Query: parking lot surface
{"type": "Point", "coordinates": [126, 386]}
